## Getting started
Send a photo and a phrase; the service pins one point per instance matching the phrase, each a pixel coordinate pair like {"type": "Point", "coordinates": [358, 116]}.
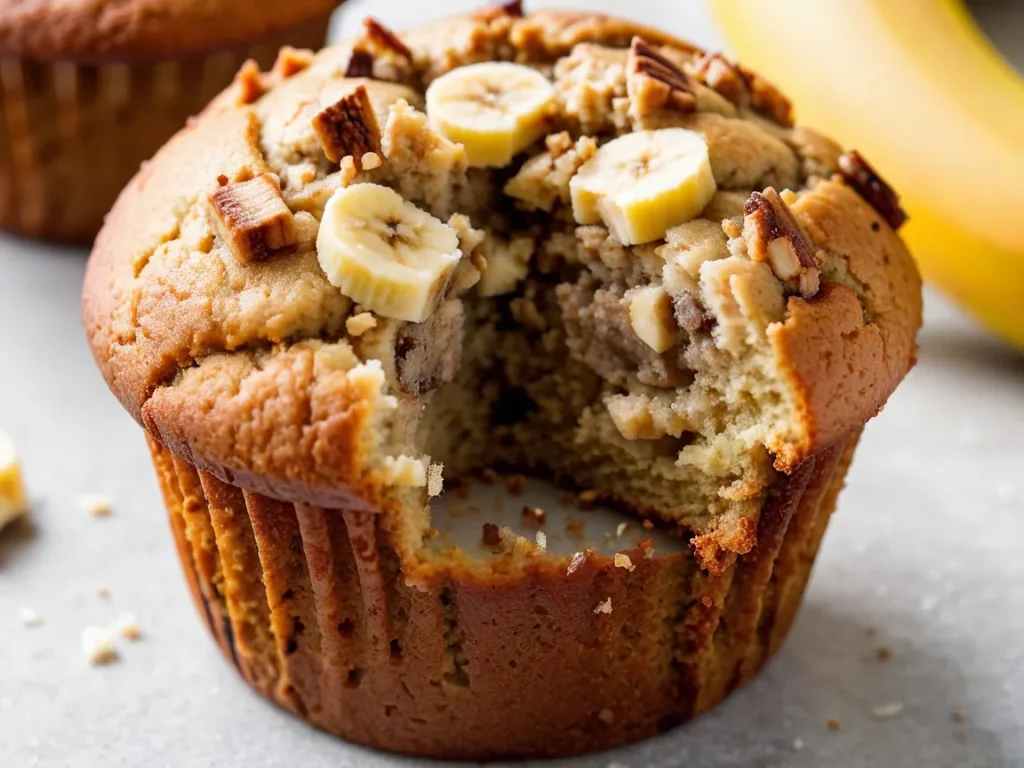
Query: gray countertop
{"type": "Point", "coordinates": [925, 558]}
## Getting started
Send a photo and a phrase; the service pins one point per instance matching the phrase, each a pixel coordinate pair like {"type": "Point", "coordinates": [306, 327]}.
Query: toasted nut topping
{"type": "Point", "coordinates": [360, 64]}
{"type": "Point", "coordinates": [654, 82]}
{"type": "Point", "coordinates": [491, 535]}
{"type": "Point", "coordinates": [249, 82]}
{"type": "Point", "coordinates": [773, 235]}
{"type": "Point", "coordinates": [743, 87]}
{"type": "Point", "coordinates": [251, 218]}
{"type": "Point", "coordinates": [290, 61]}
{"type": "Point", "coordinates": [348, 128]}
{"type": "Point", "coordinates": [872, 187]}
{"type": "Point", "coordinates": [515, 8]}
{"type": "Point", "coordinates": [382, 37]}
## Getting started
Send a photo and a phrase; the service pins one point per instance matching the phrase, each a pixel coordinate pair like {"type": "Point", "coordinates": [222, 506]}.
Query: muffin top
{"type": "Point", "coordinates": [100, 29]}
{"type": "Point", "coordinates": [648, 257]}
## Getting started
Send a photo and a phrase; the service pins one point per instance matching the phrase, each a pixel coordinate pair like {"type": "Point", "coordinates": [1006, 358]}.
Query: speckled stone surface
{"type": "Point", "coordinates": [925, 559]}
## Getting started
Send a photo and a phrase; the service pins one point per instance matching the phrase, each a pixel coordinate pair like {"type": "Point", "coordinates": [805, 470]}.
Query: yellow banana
{"type": "Point", "coordinates": [921, 91]}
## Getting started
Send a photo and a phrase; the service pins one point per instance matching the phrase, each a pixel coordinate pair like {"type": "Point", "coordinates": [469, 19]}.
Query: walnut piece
{"type": "Point", "coordinates": [249, 83]}
{"type": "Point", "coordinates": [654, 82]}
{"type": "Point", "coordinates": [380, 37]}
{"type": "Point", "coordinates": [290, 61]}
{"type": "Point", "coordinates": [743, 87]}
{"type": "Point", "coordinates": [360, 63]}
{"type": "Point", "coordinates": [773, 235]}
{"type": "Point", "coordinates": [251, 217]}
{"type": "Point", "coordinates": [348, 128]}
{"type": "Point", "coordinates": [859, 174]}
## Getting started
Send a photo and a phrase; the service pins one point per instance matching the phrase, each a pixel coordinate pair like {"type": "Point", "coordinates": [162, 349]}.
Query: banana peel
{"type": "Point", "coordinates": [918, 88]}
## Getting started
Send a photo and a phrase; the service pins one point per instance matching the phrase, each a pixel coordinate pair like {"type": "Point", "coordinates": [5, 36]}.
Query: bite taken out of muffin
{"type": "Point", "coordinates": [554, 242]}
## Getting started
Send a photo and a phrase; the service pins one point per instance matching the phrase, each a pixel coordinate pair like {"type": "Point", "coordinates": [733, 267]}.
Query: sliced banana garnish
{"type": "Point", "coordinates": [494, 109]}
{"type": "Point", "coordinates": [385, 253]}
{"type": "Point", "coordinates": [643, 184]}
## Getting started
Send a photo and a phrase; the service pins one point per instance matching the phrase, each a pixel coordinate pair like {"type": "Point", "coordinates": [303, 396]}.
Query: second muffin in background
{"type": "Point", "coordinates": [89, 90]}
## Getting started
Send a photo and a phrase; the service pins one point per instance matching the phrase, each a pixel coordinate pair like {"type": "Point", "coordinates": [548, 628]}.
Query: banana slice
{"type": "Point", "coordinates": [643, 184]}
{"type": "Point", "coordinates": [385, 253]}
{"type": "Point", "coordinates": [494, 109]}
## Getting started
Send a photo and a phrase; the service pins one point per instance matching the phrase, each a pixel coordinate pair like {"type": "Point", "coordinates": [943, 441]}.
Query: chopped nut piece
{"type": "Point", "coordinates": [773, 235]}
{"type": "Point", "coordinates": [127, 626]}
{"type": "Point", "coordinates": [651, 317]}
{"type": "Point", "coordinates": [542, 540]}
{"type": "Point", "coordinates": [98, 645]}
{"type": "Point", "coordinates": [514, 8]}
{"type": "Point", "coordinates": [604, 607]}
{"type": "Point", "coordinates": [359, 324]}
{"type": "Point", "coordinates": [29, 617]}
{"type": "Point", "coordinates": [370, 160]}
{"type": "Point", "coordinates": [654, 82]}
{"type": "Point", "coordinates": [623, 561]}
{"type": "Point", "coordinates": [360, 64]}
{"type": "Point", "coordinates": [381, 37]}
{"type": "Point", "coordinates": [251, 218]}
{"type": "Point", "coordinates": [249, 82]}
{"type": "Point", "coordinates": [535, 515]}
{"type": "Point", "coordinates": [290, 61]}
{"type": "Point", "coordinates": [96, 504]}
{"type": "Point", "coordinates": [743, 87]}
{"type": "Point", "coordinates": [348, 128]}
{"type": "Point", "coordinates": [868, 184]}
{"type": "Point", "coordinates": [516, 484]}
{"type": "Point", "coordinates": [491, 536]}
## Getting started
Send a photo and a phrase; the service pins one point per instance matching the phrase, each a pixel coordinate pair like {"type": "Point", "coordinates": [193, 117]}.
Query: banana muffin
{"type": "Point", "coordinates": [556, 242]}
{"type": "Point", "coordinates": [90, 89]}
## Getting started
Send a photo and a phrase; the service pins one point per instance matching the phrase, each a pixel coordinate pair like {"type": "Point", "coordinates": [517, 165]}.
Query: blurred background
{"type": "Point", "coordinates": [917, 604]}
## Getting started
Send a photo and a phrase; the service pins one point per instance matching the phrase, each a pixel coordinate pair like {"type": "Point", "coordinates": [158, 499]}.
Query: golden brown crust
{"type": "Point", "coordinates": [529, 657]}
{"type": "Point", "coordinates": [98, 29]}
{"type": "Point", "coordinates": [843, 358]}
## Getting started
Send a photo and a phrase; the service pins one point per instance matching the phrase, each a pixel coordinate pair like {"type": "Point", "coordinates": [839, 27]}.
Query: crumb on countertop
{"type": "Point", "coordinates": [833, 724]}
{"type": "Point", "coordinates": [886, 711]}
{"type": "Point", "coordinates": [96, 504]}
{"type": "Point", "coordinates": [127, 626]}
{"type": "Point", "coordinates": [604, 607]}
{"type": "Point", "coordinates": [29, 617]}
{"type": "Point", "coordinates": [98, 645]}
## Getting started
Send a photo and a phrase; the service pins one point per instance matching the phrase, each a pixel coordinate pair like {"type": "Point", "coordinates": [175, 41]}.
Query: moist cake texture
{"type": "Point", "coordinates": [552, 242]}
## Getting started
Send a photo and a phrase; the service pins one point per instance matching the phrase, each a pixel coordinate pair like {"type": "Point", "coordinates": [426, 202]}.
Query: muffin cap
{"type": "Point", "coordinates": [225, 365]}
{"type": "Point", "coordinates": [101, 29]}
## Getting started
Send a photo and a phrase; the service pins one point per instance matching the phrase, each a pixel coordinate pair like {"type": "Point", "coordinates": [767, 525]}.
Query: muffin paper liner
{"type": "Point", "coordinates": [312, 608]}
{"type": "Point", "coordinates": [73, 134]}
